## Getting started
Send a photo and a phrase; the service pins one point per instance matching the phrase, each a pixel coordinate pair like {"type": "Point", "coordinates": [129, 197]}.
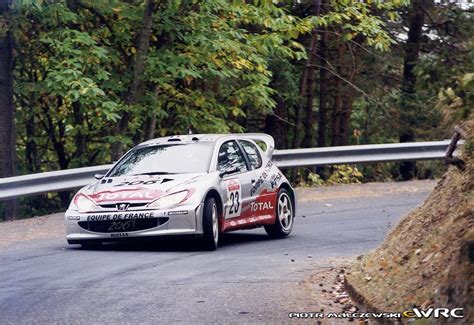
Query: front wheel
{"type": "Point", "coordinates": [210, 224]}
{"type": "Point", "coordinates": [284, 216]}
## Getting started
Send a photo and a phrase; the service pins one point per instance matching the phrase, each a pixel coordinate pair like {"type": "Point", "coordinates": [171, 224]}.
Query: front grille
{"type": "Point", "coordinates": [130, 205]}
{"type": "Point", "coordinates": [122, 225]}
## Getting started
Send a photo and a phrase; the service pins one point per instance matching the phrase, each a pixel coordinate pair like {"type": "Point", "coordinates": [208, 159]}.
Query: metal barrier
{"type": "Point", "coordinates": [362, 154]}
{"type": "Point", "coordinates": [18, 186]}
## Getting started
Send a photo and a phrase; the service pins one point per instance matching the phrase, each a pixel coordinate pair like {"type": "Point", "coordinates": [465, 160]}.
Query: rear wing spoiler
{"type": "Point", "coordinates": [261, 137]}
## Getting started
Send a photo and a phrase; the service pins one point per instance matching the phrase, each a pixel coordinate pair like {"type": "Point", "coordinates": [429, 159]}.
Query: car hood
{"type": "Point", "coordinates": [140, 188]}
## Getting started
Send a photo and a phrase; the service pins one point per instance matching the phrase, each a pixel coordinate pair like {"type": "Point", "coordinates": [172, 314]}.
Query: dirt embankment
{"type": "Point", "coordinates": [428, 259]}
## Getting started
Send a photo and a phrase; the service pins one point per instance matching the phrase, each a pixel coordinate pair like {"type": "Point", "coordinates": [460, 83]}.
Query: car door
{"type": "Point", "coordinates": [238, 179]}
{"type": "Point", "coordinates": [263, 196]}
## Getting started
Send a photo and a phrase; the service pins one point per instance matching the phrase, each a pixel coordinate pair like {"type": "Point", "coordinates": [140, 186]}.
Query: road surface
{"type": "Point", "coordinates": [249, 279]}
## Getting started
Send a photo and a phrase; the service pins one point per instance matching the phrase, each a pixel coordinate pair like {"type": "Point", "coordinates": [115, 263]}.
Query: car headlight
{"type": "Point", "coordinates": [83, 203]}
{"type": "Point", "coordinates": [169, 200]}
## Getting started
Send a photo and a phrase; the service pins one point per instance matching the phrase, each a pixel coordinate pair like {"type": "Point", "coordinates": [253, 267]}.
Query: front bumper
{"type": "Point", "coordinates": [182, 220]}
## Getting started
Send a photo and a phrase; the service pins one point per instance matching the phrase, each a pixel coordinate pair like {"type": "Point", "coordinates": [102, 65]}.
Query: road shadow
{"type": "Point", "coordinates": [177, 244]}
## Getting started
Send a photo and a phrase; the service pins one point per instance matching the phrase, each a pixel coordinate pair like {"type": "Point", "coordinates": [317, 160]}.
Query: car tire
{"type": "Point", "coordinates": [285, 215]}
{"type": "Point", "coordinates": [210, 225]}
{"type": "Point", "coordinates": [90, 244]}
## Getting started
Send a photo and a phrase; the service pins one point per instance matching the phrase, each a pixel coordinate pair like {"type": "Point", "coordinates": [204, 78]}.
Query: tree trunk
{"type": "Point", "coordinates": [323, 91]}
{"type": "Point", "coordinates": [416, 17]}
{"type": "Point", "coordinates": [31, 150]}
{"type": "Point", "coordinates": [80, 139]}
{"type": "Point", "coordinates": [149, 127]}
{"type": "Point", "coordinates": [308, 122]}
{"type": "Point", "coordinates": [7, 122]}
{"type": "Point", "coordinates": [134, 91]}
{"type": "Point", "coordinates": [275, 126]}
{"type": "Point", "coordinates": [302, 92]}
{"type": "Point", "coordinates": [345, 118]}
{"type": "Point", "coordinates": [337, 106]}
{"type": "Point", "coordinates": [306, 87]}
{"type": "Point", "coordinates": [347, 99]}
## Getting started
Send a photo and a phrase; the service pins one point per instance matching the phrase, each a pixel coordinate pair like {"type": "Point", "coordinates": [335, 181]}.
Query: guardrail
{"type": "Point", "coordinates": [18, 186]}
{"type": "Point", "coordinates": [361, 154]}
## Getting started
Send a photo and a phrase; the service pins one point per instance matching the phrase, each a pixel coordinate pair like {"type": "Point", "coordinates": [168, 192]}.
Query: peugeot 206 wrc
{"type": "Point", "coordinates": [202, 185]}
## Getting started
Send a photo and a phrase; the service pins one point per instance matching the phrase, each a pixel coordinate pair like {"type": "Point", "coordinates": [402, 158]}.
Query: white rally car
{"type": "Point", "coordinates": [201, 185]}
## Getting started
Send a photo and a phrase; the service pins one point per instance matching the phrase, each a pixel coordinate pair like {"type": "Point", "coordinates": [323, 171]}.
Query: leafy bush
{"type": "Point", "coordinates": [345, 174]}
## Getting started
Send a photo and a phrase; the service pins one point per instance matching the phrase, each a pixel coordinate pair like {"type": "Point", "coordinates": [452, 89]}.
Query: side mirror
{"type": "Point", "coordinates": [230, 170]}
{"type": "Point", "coordinates": [99, 176]}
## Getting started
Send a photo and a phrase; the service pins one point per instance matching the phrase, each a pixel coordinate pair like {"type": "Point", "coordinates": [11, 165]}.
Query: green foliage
{"type": "Point", "coordinates": [345, 174]}
{"type": "Point", "coordinates": [206, 62]}
{"type": "Point", "coordinates": [221, 66]}
{"type": "Point", "coordinates": [447, 75]}
{"type": "Point", "coordinates": [357, 18]}
{"type": "Point", "coordinates": [217, 63]}
{"type": "Point", "coordinates": [314, 180]}
{"type": "Point", "coordinates": [208, 65]}
{"type": "Point", "coordinates": [338, 174]}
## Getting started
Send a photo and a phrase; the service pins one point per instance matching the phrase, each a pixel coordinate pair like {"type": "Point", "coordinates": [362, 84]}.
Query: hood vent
{"type": "Point", "coordinates": [104, 181]}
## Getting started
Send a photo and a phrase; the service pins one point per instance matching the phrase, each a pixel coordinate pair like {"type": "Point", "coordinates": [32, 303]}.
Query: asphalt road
{"type": "Point", "coordinates": [249, 279]}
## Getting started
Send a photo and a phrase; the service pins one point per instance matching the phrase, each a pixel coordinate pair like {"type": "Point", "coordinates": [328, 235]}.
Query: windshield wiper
{"type": "Point", "coordinates": [154, 173]}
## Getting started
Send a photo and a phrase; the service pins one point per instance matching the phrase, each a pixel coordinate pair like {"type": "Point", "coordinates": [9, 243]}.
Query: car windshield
{"type": "Point", "coordinates": [165, 159]}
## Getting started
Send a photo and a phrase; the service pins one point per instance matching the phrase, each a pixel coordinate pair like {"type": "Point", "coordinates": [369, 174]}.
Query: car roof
{"type": "Point", "coordinates": [214, 138]}
{"type": "Point", "coordinates": [192, 138]}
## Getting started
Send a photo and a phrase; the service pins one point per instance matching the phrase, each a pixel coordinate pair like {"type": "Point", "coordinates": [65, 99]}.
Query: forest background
{"type": "Point", "coordinates": [82, 81]}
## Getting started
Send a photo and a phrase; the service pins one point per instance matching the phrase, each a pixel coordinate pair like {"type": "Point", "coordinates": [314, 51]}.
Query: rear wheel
{"type": "Point", "coordinates": [284, 216]}
{"type": "Point", "coordinates": [210, 224]}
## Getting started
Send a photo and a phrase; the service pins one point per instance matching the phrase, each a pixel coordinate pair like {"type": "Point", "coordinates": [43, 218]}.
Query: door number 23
{"type": "Point", "coordinates": [235, 203]}
{"type": "Point", "coordinates": [234, 198]}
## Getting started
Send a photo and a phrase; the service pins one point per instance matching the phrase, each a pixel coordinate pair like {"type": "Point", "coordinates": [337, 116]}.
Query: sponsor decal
{"type": "Point", "coordinates": [121, 216]}
{"type": "Point", "coordinates": [121, 225]}
{"type": "Point", "coordinates": [262, 178]}
{"type": "Point", "coordinates": [127, 194]}
{"type": "Point", "coordinates": [259, 206]}
{"type": "Point", "coordinates": [174, 213]}
{"type": "Point", "coordinates": [119, 234]}
{"type": "Point", "coordinates": [234, 198]}
{"type": "Point", "coordinates": [242, 221]}
{"type": "Point", "coordinates": [233, 184]}
{"type": "Point", "coordinates": [275, 180]}
{"type": "Point", "coordinates": [132, 183]}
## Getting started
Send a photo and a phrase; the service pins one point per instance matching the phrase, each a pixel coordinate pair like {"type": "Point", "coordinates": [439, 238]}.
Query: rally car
{"type": "Point", "coordinates": [201, 185]}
